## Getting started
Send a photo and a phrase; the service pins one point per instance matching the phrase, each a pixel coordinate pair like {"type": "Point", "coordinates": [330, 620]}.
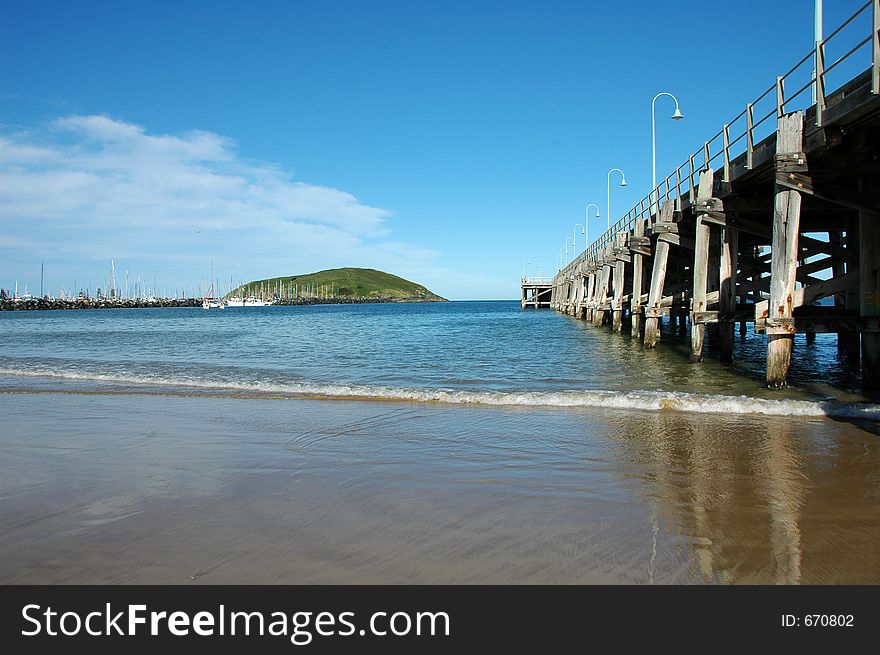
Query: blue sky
{"type": "Point", "coordinates": [445, 141]}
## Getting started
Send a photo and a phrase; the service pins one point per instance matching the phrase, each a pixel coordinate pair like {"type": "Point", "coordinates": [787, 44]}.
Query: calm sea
{"type": "Point", "coordinates": [458, 352]}
{"type": "Point", "coordinates": [450, 443]}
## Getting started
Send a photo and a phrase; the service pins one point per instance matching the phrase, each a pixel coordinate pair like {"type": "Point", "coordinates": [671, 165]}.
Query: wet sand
{"type": "Point", "coordinates": [98, 488]}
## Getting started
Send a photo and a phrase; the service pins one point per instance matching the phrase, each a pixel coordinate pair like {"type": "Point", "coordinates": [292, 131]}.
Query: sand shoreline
{"type": "Point", "coordinates": [130, 488]}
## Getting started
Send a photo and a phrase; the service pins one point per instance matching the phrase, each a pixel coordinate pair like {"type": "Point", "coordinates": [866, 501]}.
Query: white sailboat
{"type": "Point", "coordinates": [209, 301]}
{"type": "Point", "coordinates": [251, 301]}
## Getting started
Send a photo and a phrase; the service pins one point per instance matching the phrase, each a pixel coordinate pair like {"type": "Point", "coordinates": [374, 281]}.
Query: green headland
{"type": "Point", "coordinates": [345, 283]}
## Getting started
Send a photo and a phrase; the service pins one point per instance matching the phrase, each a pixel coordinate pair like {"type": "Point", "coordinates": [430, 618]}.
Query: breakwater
{"type": "Point", "coordinates": [95, 303]}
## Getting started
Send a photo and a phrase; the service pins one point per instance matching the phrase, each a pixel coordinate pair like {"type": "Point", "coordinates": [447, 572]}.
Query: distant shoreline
{"type": "Point", "coordinates": [91, 303]}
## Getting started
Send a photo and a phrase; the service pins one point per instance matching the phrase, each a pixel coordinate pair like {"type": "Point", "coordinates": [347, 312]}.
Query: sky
{"type": "Point", "coordinates": [453, 142]}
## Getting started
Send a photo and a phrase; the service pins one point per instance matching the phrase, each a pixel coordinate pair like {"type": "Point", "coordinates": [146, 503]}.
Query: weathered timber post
{"type": "Point", "coordinates": [569, 295]}
{"type": "Point", "coordinates": [591, 286]}
{"type": "Point", "coordinates": [658, 278]}
{"type": "Point", "coordinates": [635, 301]}
{"type": "Point", "coordinates": [835, 240]}
{"type": "Point", "coordinates": [790, 159]}
{"type": "Point", "coordinates": [701, 266]}
{"type": "Point", "coordinates": [852, 302]}
{"type": "Point", "coordinates": [869, 290]}
{"type": "Point", "coordinates": [579, 295]}
{"type": "Point", "coordinates": [727, 292]}
{"type": "Point", "coordinates": [617, 303]}
{"type": "Point", "coordinates": [602, 296]}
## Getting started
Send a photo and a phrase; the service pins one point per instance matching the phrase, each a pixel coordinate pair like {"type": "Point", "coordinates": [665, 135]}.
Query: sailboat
{"type": "Point", "coordinates": [209, 301]}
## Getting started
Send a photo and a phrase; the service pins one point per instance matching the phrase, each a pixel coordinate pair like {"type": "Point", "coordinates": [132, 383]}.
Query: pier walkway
{"type": "Point", "coordinates": [774, 221]}
{"type": "Point", "coordinates": [536, 291]}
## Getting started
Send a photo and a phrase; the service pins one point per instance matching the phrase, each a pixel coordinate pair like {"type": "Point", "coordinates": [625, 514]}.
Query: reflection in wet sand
{"type": "Point", "coordinates": [762, 499]}
{"type": "Point", "coordinates": [228, 490]}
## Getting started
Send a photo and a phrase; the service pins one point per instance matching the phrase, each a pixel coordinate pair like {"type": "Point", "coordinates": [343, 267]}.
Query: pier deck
{"type": "Point", "coordinates": [536, 292]}
{"type": "Point", "coordinates": [781, 231]}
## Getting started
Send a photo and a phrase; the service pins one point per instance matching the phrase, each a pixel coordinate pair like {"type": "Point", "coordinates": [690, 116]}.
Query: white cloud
{"type": "Point", "coordinates": [91, 188]}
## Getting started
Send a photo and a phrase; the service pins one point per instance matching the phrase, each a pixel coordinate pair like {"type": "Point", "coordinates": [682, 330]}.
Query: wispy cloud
{"type": "Point", "coordinates": [88, 188]}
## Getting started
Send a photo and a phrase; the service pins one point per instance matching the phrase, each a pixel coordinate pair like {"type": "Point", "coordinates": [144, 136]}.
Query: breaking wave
{"type": "Point", "coordinates": [678, 401]}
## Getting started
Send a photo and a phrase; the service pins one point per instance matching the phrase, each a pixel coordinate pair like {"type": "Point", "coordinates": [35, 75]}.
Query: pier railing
{"type": "Point", "coordinates": [849, 52]}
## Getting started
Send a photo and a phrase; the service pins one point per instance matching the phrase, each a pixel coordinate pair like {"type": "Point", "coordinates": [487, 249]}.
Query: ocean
{"type": "Point", "coordinates": [436, 442]}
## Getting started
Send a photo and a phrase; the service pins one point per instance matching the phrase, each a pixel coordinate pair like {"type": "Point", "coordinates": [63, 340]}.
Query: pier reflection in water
{"type": "Point", "coordinates": [762, 499]}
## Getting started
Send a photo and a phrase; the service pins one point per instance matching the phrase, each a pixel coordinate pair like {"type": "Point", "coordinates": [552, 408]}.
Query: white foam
{"type": "Point", "coordinates": [630, 400]}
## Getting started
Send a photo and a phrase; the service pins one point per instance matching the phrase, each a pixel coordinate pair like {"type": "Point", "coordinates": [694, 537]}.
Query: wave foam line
{"type": "Point", "coordinates": [678, 401]}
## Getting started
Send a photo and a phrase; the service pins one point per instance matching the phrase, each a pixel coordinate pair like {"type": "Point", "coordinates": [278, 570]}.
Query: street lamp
{"type": "Point", "coordinates": [566, 250]}
{"type": "Point", "coordinates": [676, 116]}
{"type": "Point", "coordinates": [622, 183]}
{"type": "Point", "coordinates": [817, 39]}
{"type": "Point", "coordinates": [587, 223]}
{"type": "Point", "coordinates": [574, 236]}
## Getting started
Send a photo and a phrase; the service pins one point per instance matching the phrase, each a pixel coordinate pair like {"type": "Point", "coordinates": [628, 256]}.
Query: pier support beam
{"type": "Point", "coordinates": [655, 293]}
{"type": "Point", "coordinates": [617, 303]}
{"type": "Point", "coordinates": [580, 281]}
{"type": "Point", "coordinates": [784, 256]}
{"type": "Point", "coordinates": [852, 302]}
{"type": "Point", "coordinates": [591, 289]}
{"type": "Point", "coordinates": [658, 278]}
{"type": "Point", "coordinates": [601, 296]}
{"type": "Point", "coordinates": [701, 275]}
{"type": "Point", "coordinates": [727, 291]}
{"type": "Point", "coordinates": [702, 234]}
{"type": "Point", "coordinates": [869, 292]}
{"type": "Point", "coordinates": [635, 303]}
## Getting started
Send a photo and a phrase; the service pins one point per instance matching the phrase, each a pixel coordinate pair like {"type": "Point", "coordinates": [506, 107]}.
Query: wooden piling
{"type": "Point", "coordinates": [591, 286]}
{"type": "Point", "coordinates": [617, 303]}
{"type": "Point", "coordinates": [702, 234]}
{"type": "Point", "coordinates": [784, 255]}
{"type": "Point", "coordinates": [727, 292]}
{"type": "Point", "coordinates": [635, 303]}
{"type": "Point", "coordinates": [658, 278]}
{"type": "Point", "coordinates": [602, 296]}
{"type": "Point", "coordinates": [869, 291]}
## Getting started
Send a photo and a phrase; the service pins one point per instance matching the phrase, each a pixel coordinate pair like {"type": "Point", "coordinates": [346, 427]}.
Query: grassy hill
{"type": "Point", "coordinates": [340, 283]}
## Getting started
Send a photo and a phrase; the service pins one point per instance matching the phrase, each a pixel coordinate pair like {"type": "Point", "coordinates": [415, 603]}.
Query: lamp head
{"type": "Point", "coordinates": [677, 116]}
{"type": "Point", "coordinates": [623, 182]}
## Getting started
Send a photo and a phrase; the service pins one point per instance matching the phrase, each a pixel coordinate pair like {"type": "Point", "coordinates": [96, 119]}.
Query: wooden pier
{"type": "Point", "coordinates": [774, 222]}
{"type": "Point", "coordinates": [536, 292]}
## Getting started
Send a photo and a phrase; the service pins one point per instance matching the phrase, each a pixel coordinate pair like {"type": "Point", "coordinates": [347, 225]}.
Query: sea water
{"type": "Point", "coordinates": [459, 352]}
{"type": "Point", "coordinates": [448, 442]}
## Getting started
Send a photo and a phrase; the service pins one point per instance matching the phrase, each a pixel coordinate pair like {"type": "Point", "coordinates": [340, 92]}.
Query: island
{"type": "Point", "coordinates": [336, 285]}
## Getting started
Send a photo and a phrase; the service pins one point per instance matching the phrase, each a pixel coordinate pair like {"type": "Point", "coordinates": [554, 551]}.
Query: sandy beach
{"type": "Point", "coordinates": [150, 488]}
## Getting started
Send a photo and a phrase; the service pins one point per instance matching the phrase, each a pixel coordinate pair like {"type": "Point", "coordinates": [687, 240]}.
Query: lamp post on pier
{"type": "Point", "coordinates": [817, 40]}
{"type": "Point", "coordinates": [622, 183]}
{"type": "Point", "coordinates": [587, 223]}
{"type": "Point", "coordinates": [676, 116]}
{"type": "Point", "coordinates": [574, 237]}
